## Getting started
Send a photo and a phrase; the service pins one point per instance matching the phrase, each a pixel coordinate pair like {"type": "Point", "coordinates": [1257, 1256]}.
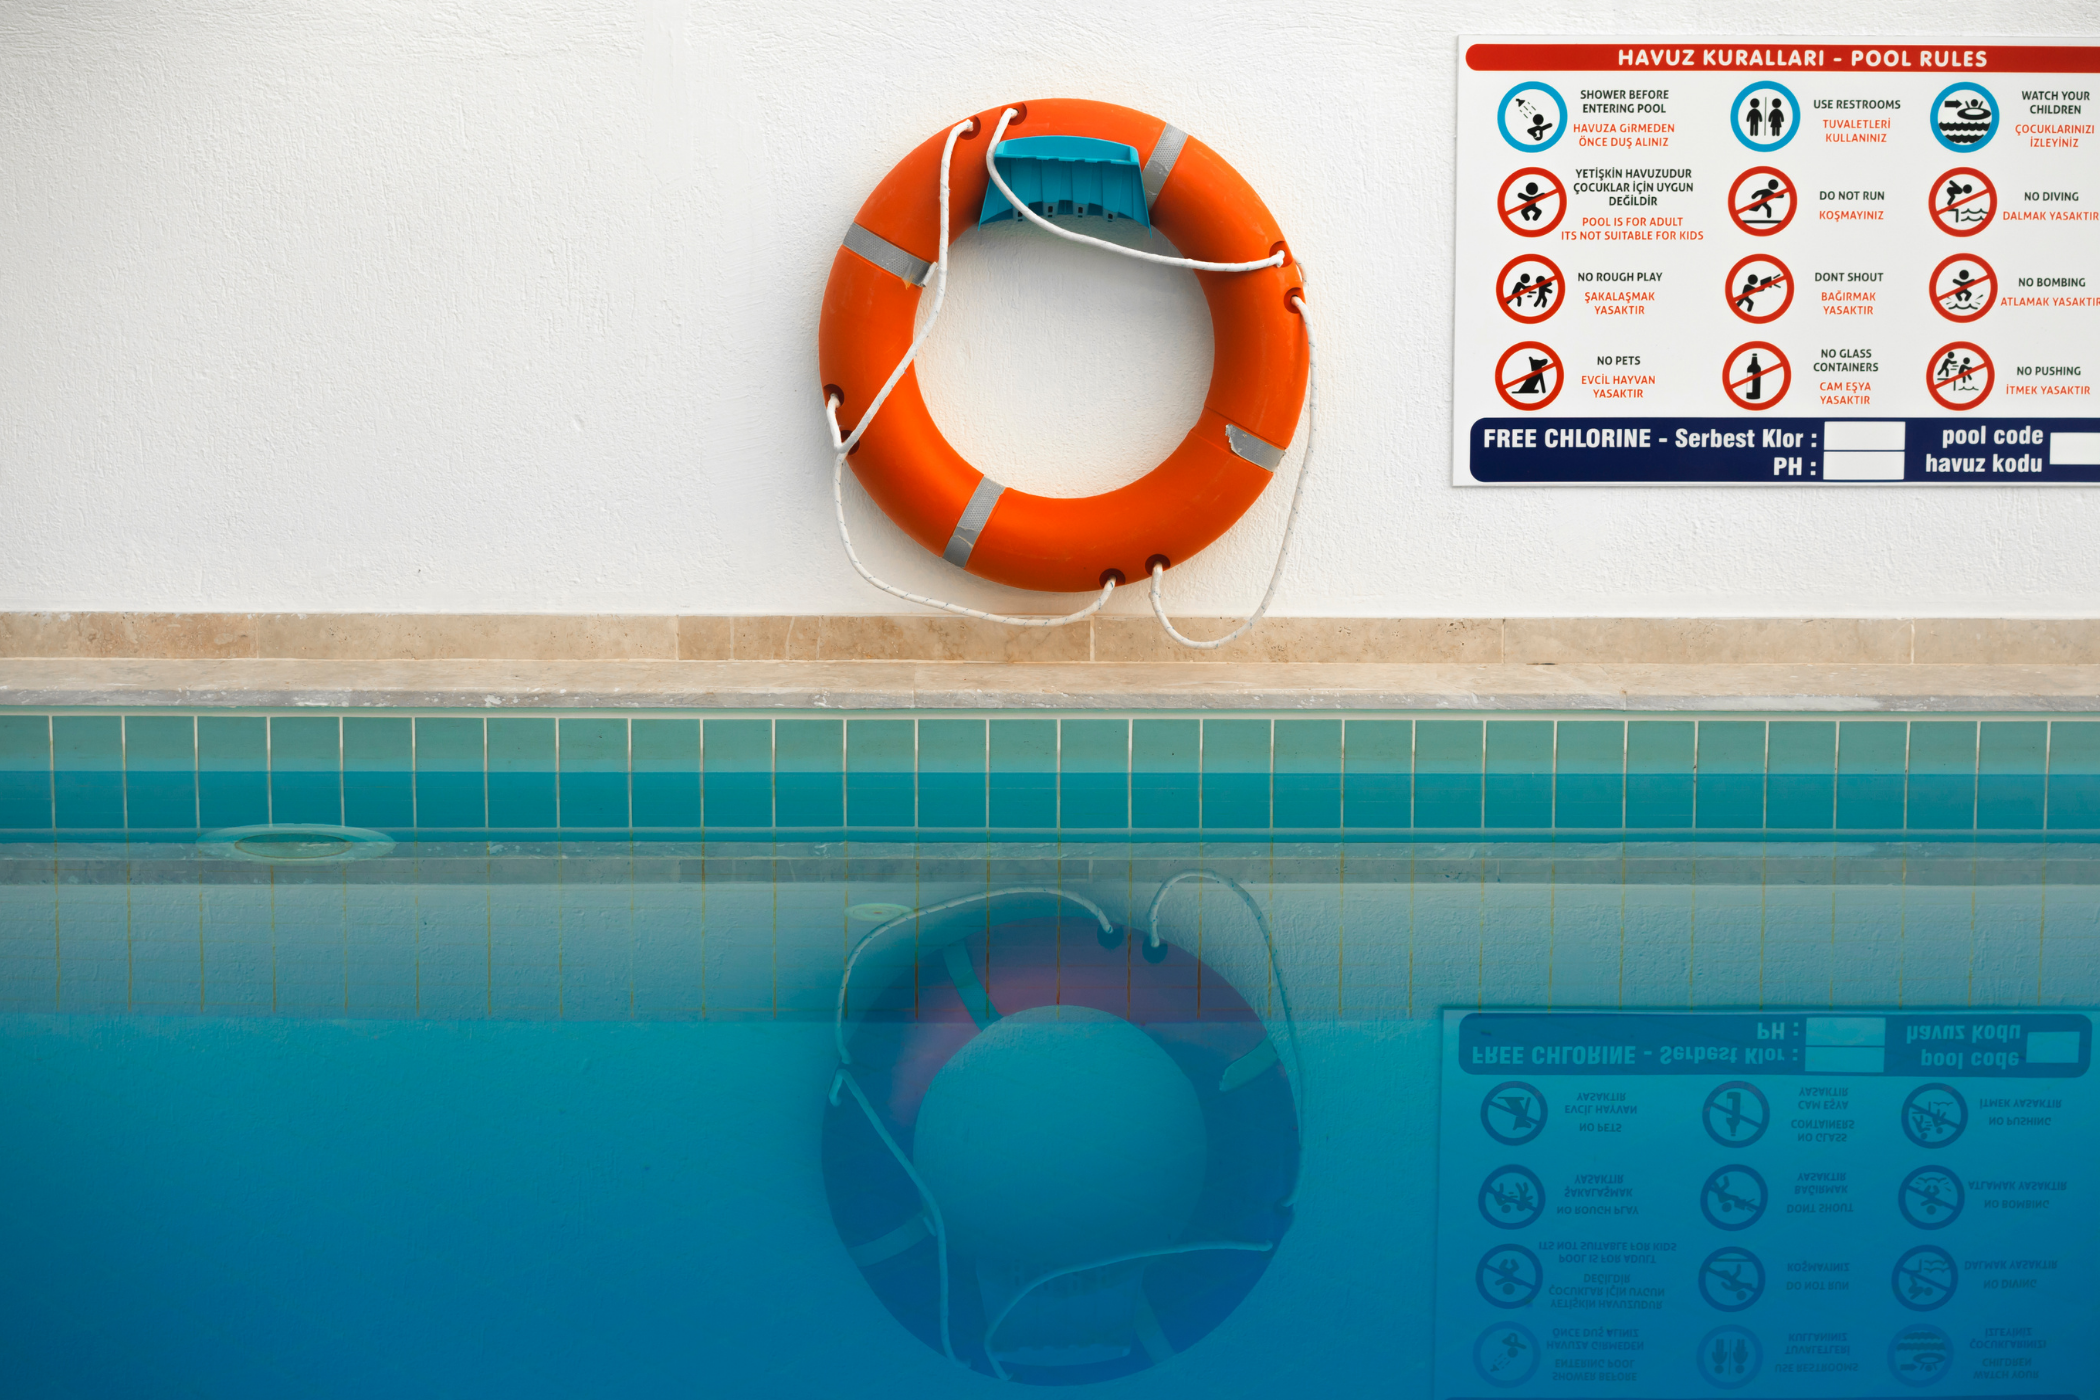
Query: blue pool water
{"type": "Point", "coordinates": [551, 1078]}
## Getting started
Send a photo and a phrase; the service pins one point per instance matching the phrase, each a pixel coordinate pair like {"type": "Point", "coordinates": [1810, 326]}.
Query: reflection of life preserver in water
{"type": "Point", "coordinates": [1059, 1150]}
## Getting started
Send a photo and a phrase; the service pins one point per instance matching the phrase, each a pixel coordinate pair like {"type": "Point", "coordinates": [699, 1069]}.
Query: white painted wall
{"type": "Point", "coordinates": [510, 305]}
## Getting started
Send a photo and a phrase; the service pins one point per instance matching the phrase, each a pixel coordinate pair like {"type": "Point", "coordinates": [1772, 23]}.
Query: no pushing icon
{"type": "Point", "coordinates": [1962, 201]}
{"type": "Point", "coordinates": [1530, 288]}
{"type": "Point", "coordinates": [1958, 376]}
{"type": "Point", "coordinates": [1759, 288]}
{"type": "Point", "coordinates": [1963, 287]}
{"type": "Point", "coordinates": [1756, 375]}
{"type": "Point", "coordinates": [1529, 375]}
{"type": "Point", "coordinates": [1532, 202]}
{"type": "Point", "coordinates": [1762, 201]}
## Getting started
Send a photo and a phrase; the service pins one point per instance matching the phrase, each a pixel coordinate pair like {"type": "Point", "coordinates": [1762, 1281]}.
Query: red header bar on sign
{"type": "Point", "coordinates": [1663, 56]}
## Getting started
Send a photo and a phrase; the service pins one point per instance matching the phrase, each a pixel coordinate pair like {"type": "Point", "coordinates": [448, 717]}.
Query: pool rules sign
{"type": "Point", "coordinates": [1783, 262]}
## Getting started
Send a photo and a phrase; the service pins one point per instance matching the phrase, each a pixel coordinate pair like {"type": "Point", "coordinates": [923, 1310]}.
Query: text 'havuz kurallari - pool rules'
{"type": "Point", "coordinates": [1790, 262]}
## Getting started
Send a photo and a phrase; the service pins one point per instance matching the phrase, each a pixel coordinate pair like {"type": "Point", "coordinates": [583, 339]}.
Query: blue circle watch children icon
{"type": "Point", "coordinates": [1964, 117]}
{"type": "Point", "coordinates": [1532, 116]}
{"type": "Point", "coordinates": [1765, 115]}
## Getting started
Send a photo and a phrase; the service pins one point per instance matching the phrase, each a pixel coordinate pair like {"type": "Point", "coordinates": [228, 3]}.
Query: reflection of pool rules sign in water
{"type": "Point", "coordinates": [1846, 198]}
{"type": "Point", "coordinates": [1808, 1205]}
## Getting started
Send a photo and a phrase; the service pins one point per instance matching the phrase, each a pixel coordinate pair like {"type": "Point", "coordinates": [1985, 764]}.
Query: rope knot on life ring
{"type": "Point", "coordinates": [1076, 158]}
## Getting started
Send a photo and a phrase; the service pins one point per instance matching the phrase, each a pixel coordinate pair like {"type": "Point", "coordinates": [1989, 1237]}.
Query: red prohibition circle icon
{"type": "Point", "coordinates": [1963, 201]}
{"type": "Point", "coordinates": [1528, 376]}
{"type": "Point", "coordinates": [1530, 288]}
{"type": "Point", "coordinates": [1759, 288]}
{"type": "Point", "coordinates": [1963, 287]}
{"type": "Point", "coordinates": [1523, 207]}
{"type": "Point", "coordinates": [1959, 375]}
{"type": "Point", "coordinates": [1756, 375]}
{"type": "Point", "coordinates": [1762, 200]}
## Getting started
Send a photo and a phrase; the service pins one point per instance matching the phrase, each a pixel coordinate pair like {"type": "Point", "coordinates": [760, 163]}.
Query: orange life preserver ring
{"type": "Point", "coordinates": [1051, 543]}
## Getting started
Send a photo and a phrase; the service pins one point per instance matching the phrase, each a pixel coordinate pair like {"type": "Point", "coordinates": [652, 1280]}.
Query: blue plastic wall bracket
{"type": "Point", "coordinates": [1069, 175]}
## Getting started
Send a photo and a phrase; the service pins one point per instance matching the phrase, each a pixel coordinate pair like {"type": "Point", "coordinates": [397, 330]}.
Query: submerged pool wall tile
{"type": "Point", "coordinates": [1308, 774]}
{"type": "Point", "coordinates": [1801, 775]}
{"type": "Point", "coordinates": [666, 781]}
{"type": "Point", "coordinates": [306, 769]}
{"type": "Point", "coordinates": [233, 770]}
{"type": "Point", "coordinates": [737, 761]}
{"type": "Point", "coordinates": [1870, 774]}
{"type": "Point", "coordinates": [1589, 774]}
{"type": "Point", "coordinates": [1378, 767]}
{"type": "Point", "coordinates": [88, 762]}
{"type": "Point", "coordinates": [2012, 775]}
{"type": "Point", "coordinates": [523, 772]}
{"type": "Point", "coordinates": [809, 772]}
{"type": "Point", "coordinates": [160, 772]}
{"type": "Point", "coordinates": [1236, 758]}
{"type": "Point", "coordinates": [451, 783]}
{"type": "Point", "coordinates": [1094, 773]}
{"type": "Point", "coordinates": [1518, 784]}
{"type": "Point", "coordinates": [952, 767]}
{"type": "Point", "coordinates": [595, 764]}
{"type": "Point", "coordinates": [2074, 775]}
{"type": "Point", "coordinates": [25, 773]}
{"type": "Point", "coordinates": [881, 759]}
{"type": "Point", "coordinates": [1166, 774]}
{"type": "Point", "coordinates": [379, 772]}
{"type": "Point", "coordinates": [1023, 779]}
{"type": "Point", "coordinates": [1731, 769]}
{"type": "Point", "coordinates": [1941, 792]}
{"type": "Point", "coordinates": [1448, 761]}
{"type": "Point", "coordinates": [1660, 764]}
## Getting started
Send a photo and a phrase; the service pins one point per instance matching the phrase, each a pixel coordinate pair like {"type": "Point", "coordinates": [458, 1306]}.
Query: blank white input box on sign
{"type": "Point", "coordinates": [1863, 466]}
{"type": "Point", "coordinates": [1845, 1045]}
{"type": "Point", "coordinates": [2052, 1047]}
{"type": "Point", "coordinates": [2074, 449]}
{"type": "Point", "coordinates": [1850, 435]}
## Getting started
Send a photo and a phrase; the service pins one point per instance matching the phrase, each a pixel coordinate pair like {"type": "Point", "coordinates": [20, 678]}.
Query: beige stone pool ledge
{"type": "Point", "coordinates": [888, 685]}
{"type": "Point", "coordinates": [926, 662]}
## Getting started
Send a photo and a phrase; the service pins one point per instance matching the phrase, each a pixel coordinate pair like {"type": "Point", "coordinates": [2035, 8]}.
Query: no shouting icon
{"type": "Point", "coordinates": [1962, 201]}
{"type": "Point", "coordinates": [1762, 201]}
{"type": "Point", "coordinates": [1532, 202]}
{"type": "Point", "coordinates": [1756, 375]}
{"type": "Point", "coordinates": [1963, 288]}
{"type": "Point", "coordinates": [1959, 375]}
{"type": "Point", "coordinates": [1759, 289]}
{"type": "Point", "coordinates": [1530, 288]}
{"type": "Point", "coordinates": [1529, 375]}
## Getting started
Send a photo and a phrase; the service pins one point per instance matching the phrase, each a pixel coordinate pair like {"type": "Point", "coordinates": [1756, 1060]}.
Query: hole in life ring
{"type": "Point", "coordinates": [1160, 561]}
{"type": "Point", "coordinates": [1061, 370]}
{"type": "Point", "coordinates": [1116, 574]}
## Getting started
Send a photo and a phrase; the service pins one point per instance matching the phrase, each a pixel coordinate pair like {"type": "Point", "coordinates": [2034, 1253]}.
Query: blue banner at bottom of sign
{"type": "Point", "coordinates": [1785, 451]}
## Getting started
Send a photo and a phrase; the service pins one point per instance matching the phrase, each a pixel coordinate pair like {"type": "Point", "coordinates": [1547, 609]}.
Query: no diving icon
{"type": "Point", "coordinates": [1532, 202]}
{"type": "Point", "coordinates": [1963, 288]}
{"type": "Point", "coordinates": [1959, 376]}
{"type": "Point", "coordinates": [1756, 375]}
{"type": "Point", "coordinates": [1962, 201]}
{"type": "Point", "coordinates": [1529, 375]}
{"type": "Point", "coordinates": [1530, 288]}
{"type": "Point", "coordinates": [1762, 201]}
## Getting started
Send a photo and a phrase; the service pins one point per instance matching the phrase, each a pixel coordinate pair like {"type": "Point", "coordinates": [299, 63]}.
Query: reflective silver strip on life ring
{"type": "Point", "coordinates": [887, 255]}
{"type": "Point", "coordinates": [1165, 152]}
{"type": "Point", "coordinates": [1266, 455]}
{"type": "Point", "coordinates": [974, 515]}
{"type": "Point", "coordinates": [975, 999]}
{"type": "Point", "coordinates": [892, 1244]}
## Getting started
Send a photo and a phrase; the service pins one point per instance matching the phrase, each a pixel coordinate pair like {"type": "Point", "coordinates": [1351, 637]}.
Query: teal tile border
{"type": "Point", "coordinates": [1007, 776]}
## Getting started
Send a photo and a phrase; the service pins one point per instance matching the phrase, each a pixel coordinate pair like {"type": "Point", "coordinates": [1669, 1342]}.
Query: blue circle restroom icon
{"type": "Point", "coordinates": [1532, 116]}
{"type": "Point", "coordinates": [1765, 115]}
